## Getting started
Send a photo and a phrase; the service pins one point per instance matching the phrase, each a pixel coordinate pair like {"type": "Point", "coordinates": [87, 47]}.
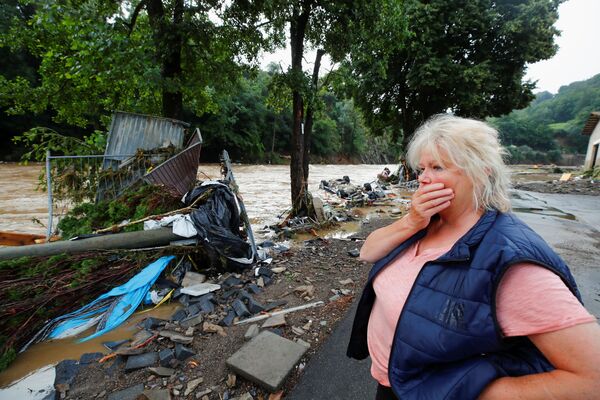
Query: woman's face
{"type": "Point", "coordinates": [431, 171]}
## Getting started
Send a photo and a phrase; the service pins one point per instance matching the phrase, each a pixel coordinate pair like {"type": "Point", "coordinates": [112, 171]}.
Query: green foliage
{"type": "Point", "coordinates": [134, 204]}
{"type": "Point", "coordinates": [72, 179]}
{"type": "Point", "coordinates": [8, 356]}
{"type": "Point", "coordinates": [252, 120]}
{"type": "Point", "coordinates": [15, 263]}
{"type": "Point", "coordinates": [41, 139]}
{"type": "Point", "coordinates": [593, 173]}
{"type": "Point", "coordinates": [97, 56]}
{"type": "Point", "coordinates": [415, 59]}
{"type": "Point", "coordinates": [526, 155]}
{"type": "Point", "coordinates": [553, 121]}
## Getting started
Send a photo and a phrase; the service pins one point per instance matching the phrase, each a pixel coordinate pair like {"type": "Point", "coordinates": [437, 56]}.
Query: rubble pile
{"type": "Point", "coordinates": [576, 185]}
{"type": "Point", "coordinates": [285, 303]}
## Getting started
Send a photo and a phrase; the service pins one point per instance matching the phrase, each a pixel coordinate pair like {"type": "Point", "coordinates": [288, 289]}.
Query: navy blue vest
{"type": "Point", "coordinates": [447, 343]}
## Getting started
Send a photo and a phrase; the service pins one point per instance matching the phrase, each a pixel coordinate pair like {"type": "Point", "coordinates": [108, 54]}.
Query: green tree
{"type": "Point", "coordinates": [325, 26]}
{"type": "Point", "coordinates": [553, 121]}
{"type": "Point", "coordinates": [418, 58]}
{"type": "Point", "coordinates": [151, 56]}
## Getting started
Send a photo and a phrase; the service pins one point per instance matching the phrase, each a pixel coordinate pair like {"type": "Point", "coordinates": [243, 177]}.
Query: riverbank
{"type": "Point", "coordinates": [587, 187]}
{"type": "Point", "coordinates": [328, 271]}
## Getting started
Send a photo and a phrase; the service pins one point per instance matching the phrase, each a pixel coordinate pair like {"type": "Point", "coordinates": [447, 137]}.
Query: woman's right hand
{"type": "Point", "coordinates": [427, 201]}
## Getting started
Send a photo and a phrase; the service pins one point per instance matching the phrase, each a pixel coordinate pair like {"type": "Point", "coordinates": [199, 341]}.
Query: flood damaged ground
{"type": "Point", "coordinates": [326, 263]}
{"type": "Point", "coordinates": [323, 264]}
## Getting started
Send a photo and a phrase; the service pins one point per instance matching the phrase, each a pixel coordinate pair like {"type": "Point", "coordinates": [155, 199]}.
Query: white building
{"type": "Point", "coordinates": [592, 128]}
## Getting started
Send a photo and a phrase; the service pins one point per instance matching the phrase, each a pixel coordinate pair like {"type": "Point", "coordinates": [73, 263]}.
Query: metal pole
{"type": "Point", "coordinates": [243, 213]}
{"type": "Point", "coordinates": [49, 187]}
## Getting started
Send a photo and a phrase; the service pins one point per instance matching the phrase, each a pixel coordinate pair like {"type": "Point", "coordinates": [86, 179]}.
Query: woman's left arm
{"type": "Point", "coordinates": [574, 352]}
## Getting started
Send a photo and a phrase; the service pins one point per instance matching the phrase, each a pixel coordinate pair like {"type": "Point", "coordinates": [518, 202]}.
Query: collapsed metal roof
{"type": "Point", "coordinates": [130, 132]}
{"type": "Point", "coordinates": [591, 123]}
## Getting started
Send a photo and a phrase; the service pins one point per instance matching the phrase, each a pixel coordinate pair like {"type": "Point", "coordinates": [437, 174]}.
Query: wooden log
{"type": "Point", "coordinates": [18, 238]}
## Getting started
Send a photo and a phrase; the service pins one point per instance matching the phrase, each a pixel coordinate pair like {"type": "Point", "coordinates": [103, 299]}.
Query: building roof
{"type": "Point", "coordinates": [591, 123]}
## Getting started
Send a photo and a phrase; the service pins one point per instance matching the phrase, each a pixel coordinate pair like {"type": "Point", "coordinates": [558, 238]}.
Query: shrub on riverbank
{"type": "Point", "coordinates": [135, 204]}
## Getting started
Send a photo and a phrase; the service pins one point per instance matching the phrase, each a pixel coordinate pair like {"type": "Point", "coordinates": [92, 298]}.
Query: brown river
{"type": "Point", "coordinates": [264, 188]}
{"type": "Point", "coordinates": [266, 193]}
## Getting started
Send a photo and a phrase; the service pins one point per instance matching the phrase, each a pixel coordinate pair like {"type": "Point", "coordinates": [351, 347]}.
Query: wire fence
{"type": "Point", "coordinates": [74, 179]}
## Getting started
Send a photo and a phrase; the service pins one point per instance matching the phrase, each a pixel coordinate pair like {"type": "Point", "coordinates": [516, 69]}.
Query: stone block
{"type": "Point", "coordinates": [228, 320]}
{"type": "Point", "coordinates": [274, 321]}
{"type": "Point", "coordinates": [165, 356]}
{"type": "Point", "coordinates": [240, 308]}
{"type": "Point", "coordinates": [141, 361]}
{"type": "Point", "coordinates": [161, 371]}
{"type": "Point", "coordinates": [157, 394]}
{"type": "Point", "coordinates": [252, 332]}
{"type": "Point", "coordinates": [200, 289]}
{"type": "Point", "coordinates": [179, 315]}
{"type": "Point", "coordinates": [131, 393]}
{"type": "Point", "coordinates": [89, 358]}
{"type": "Point", "coordinates": [231, 280]}
{"type": "Point", "coordinates": [274, 304]}
{"type": "Point", "coordinates": [266, 360]}
{"type": "Point", "coordinates": [151, 323]}
{"type": "Point", "coordinates": [192, 321]}
{"type": "Point", "coordinates": [182, 353]}
{"type": "Point", "coordinates": [254, 306]}
{"type": "Point", "coordinates": [263, 271]}
{"type": "Point", "coordinates": [176, 337]}
{"type": "Point", "coordinates": [253, 288]}
{"type": "Point", "coordinates": [66, 371]}
{"type": "Point", "coordinates": [112, 346]}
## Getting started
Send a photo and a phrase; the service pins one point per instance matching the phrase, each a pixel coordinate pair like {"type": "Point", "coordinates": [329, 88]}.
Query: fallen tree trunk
{"type": "Point", "coordinates": [128, 240]}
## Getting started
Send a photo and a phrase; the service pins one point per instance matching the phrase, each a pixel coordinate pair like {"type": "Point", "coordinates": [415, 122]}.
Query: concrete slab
{"type": "Point", "coordinates": [200, 289]}
{"type": "Point", "coordinates": [176, 337]}
{"type": "Point", "coordinates": [141, 361]}
{"type": "Point", "coordinates": [266, 360]}
{"type": "Point", "coordinates": [131, 393]}
{"type": "Point", "coordinates": [274, 321]}
{"type": "Point", "coordinates": [157, 394]}
{"type": "Point", "coordinates": [192, 278]}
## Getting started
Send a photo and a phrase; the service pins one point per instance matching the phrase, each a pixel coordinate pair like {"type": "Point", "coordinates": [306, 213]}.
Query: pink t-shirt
{"type": "Point", "coordinates": [550, 304]}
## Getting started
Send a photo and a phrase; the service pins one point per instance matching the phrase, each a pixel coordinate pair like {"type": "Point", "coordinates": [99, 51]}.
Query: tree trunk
{"type": "Point", "coordinates": [298, 26]}
{"type": "Point", "coordinates": [168, 43]}
{"type": "Point", "coordinates": [308, 120]}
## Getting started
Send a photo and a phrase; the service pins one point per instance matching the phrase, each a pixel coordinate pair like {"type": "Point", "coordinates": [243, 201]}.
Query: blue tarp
{"type": "Point", "coordinates": [112, 308]}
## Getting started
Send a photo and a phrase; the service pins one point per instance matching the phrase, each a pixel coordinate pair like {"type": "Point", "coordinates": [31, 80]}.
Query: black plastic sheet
{"type": "Point", "coordinates": [217, 221]}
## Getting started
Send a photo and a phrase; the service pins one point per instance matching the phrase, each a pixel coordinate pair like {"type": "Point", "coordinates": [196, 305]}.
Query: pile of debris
{"type": "Point", "coordinates": [162, 347]}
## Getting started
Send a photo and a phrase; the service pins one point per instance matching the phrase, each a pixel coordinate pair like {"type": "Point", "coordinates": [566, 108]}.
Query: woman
{"type": "Point", "coordinates": [465, 301]}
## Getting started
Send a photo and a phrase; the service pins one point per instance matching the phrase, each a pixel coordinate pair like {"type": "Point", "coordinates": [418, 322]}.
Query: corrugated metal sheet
{"type": "Point", "coordinates": [179, 172]}
{"type": "Point", "coordinates": [130, 132]}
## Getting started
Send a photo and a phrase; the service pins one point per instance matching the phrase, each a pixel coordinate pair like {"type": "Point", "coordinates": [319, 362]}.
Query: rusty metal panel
{"type": "Point", "coordinates": [179, 172]}
{"type": "Point", "coordinates": [130, 132]}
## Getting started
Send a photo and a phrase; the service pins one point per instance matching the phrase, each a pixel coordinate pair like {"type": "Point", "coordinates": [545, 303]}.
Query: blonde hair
{"type": "Point", "coordinates": [472, 146]}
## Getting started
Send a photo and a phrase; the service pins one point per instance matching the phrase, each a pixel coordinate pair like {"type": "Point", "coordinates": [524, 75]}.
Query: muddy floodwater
{"type": "Point", "coordinates": [264, 188]}
{"type": "Point", "coordinates": [266, 193]}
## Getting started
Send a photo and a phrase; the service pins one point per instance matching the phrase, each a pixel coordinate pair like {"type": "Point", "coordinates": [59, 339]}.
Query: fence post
{"type": "Point", "coordinates": [49, 187]}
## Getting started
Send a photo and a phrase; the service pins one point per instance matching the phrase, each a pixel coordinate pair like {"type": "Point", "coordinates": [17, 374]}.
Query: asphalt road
{"type": "Point", "coordinates": [569, 223]}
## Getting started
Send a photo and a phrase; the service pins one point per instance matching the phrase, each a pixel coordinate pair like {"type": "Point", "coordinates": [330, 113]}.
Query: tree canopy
{"type": "Point", "coordinates": [552, 121]}
{"type": "Point", "coordinates": [150, 56]}
{"type": "Point", "coordinates": [421, 58]}
{"type": "Point", "coordinates": [76, 61]}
